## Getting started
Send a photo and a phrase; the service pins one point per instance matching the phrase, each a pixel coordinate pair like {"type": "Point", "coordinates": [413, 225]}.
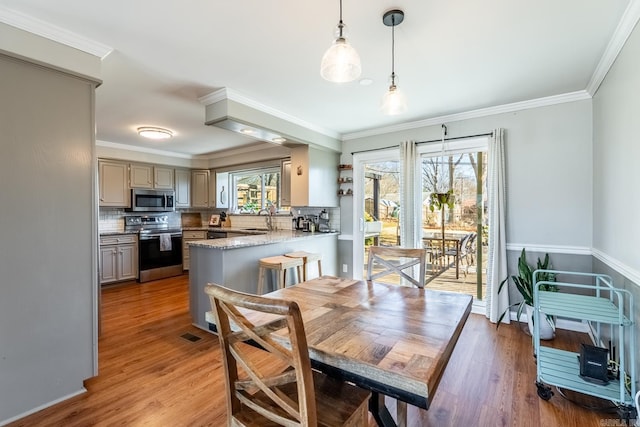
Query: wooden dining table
{"type": "Point", "coordinates": [392, 340]}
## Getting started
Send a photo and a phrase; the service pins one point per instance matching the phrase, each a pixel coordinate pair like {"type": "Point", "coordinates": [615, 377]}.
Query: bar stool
{"type": "Point", "coordinates": [307, 257]}
{"type": "Point", "coordinates": [280, 264]}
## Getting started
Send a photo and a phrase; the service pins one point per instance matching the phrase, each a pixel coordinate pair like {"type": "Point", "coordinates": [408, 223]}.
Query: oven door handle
{"type": "Point", "coordinates": [157, 236]}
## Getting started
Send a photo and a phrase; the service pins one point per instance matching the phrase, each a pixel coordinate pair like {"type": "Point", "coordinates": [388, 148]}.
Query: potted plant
{"type": "Point", "coordinates": [439, 200]}
{"type": "Point", "coordinates": [524, 284]}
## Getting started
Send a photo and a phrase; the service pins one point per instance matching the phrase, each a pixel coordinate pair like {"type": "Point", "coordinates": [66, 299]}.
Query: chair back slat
{"type": "Point", "coordinates": [396, 260]}
{"type": "Point", "coordinates": [256, 375]}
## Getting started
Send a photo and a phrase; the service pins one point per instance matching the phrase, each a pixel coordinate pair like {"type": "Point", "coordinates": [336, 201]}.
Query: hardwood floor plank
{"type": "Point", "coordinates": [150, 375]}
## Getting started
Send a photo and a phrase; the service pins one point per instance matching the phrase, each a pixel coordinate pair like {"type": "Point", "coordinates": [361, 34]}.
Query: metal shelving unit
{"type": "Point", "coordinates": [601, 305]}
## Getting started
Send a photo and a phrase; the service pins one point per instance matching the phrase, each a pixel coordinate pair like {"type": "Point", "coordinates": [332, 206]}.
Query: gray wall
{"type": "Point", "coordinates": [616, 219]}
{"type": "Point", "coordinates": [548, 166]}
{"type": "Point", "coordinates": [48, 248]}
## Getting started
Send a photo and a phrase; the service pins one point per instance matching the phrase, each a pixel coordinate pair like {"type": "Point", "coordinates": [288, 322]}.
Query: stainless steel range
{"type": "Point", "coordinates": [159, 248]}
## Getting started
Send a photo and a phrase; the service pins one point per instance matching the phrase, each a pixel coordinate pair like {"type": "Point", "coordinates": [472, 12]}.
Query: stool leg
{"type": "Point", "coordinates": [304, 271]}
{"type": "Point", "coordinates": [261, 280]}
{"type": "Point", "coordinates": [319, 268]}
{"type": "Point", "coordinates": [282, 278]}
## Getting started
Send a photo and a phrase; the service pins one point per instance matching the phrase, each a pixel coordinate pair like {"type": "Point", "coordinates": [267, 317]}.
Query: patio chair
{"type": "Point", "coordinates": [269, 382]}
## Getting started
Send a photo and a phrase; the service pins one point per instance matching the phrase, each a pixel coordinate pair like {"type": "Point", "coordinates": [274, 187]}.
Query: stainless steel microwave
{"type": "Point", "coordinates": [152, 200]}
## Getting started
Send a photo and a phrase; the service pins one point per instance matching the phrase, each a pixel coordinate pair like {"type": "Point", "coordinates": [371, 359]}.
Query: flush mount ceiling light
{"type": "Point", "coordinates": [341, 62]}
{"type": "Point", "coordinates": [394, 101]}
{"type": "Point", "coordinates": [154, 132]}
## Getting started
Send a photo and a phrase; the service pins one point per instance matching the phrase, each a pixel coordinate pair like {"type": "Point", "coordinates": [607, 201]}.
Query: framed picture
{"type": "Point", "coordinates": [214, 220]}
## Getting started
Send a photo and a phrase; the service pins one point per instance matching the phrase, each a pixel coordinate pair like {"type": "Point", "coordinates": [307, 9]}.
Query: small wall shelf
{"type": "Point", "coordinates": [346, 180]}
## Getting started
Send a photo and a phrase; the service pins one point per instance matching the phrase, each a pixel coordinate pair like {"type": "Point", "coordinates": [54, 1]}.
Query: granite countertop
{"type": "Point", "coordinates": [256, 240]}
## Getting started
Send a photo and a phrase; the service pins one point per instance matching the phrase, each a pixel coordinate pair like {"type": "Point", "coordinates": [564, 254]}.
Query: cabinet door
{"type": "Point", "coordinates": [127, 262]}
{"type": "Point", "coordinates": [141, 176]}
{"type": "Point", "coordinates": [222, 190]}
{"type": "Point", "coordinates": [285, 183]}
{"type": "Point", "coordinates": [114, 185]}
{"type": "Point", "coordinates": [183, 188]}
{"type": "Point", "coordinates": [108, 264]}
{"type": "Point", "coordinates": [163, 178]}
{"type": "Point", "coordinates": [200, 188]}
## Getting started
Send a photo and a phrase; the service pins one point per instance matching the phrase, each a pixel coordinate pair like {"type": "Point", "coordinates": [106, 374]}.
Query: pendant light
{"type": "Point", "coordinates": [394, 101]}
{"type": "Point", "coordinates": [341, 62]}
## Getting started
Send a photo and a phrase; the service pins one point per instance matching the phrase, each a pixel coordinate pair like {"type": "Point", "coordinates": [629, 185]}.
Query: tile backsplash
{"type": "Point", "coordinates": [112, 219]}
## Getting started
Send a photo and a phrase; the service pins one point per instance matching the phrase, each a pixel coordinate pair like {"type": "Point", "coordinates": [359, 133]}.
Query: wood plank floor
{"type": "Point", "coordinates": [151, 376]}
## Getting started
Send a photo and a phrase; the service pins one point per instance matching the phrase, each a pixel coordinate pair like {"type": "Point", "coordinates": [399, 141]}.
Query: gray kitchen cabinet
{"type": "Point", "coordinates": [150, 176]}
{"type": "Point", "coordinates": [222, 190]}
{"type": "Point", "coordinates": [114, 184]}
{"type": "Point", "coordinates": [190, 235]}
{"type": "Point", "coordinates": [141, 176]}
{"type": "Point", "coordinates": [162, 178]}
{"type": "Point", "coordinates": [200, 188]}
{"type": "Point", "coordinates": [183, 188]}
{"type": "Point", "coordinates": [285, 183]}
{"type": "Point", "coordinates": [118, 258]}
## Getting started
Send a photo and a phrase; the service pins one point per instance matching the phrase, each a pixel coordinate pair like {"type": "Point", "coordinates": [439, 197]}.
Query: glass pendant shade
{"type": "Point", "coordinates": [393, 102]}
{"type": "Point", "coordinates": [341, 62]}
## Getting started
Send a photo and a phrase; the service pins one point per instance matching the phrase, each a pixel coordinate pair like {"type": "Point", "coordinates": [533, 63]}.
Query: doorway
{"type": "Point", "coordinates": [454, 234]}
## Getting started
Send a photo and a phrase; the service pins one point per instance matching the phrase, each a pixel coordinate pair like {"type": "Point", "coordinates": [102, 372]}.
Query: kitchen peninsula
{"type": "Point", "coordinates": [233, 262]}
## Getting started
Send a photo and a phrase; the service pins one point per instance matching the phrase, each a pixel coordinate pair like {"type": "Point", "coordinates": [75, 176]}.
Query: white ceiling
{"type": "Point", "coordinates": [452, 56]}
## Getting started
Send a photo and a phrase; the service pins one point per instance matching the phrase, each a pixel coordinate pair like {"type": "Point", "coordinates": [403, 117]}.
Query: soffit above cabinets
{"type": "Point", "coordinates": [234, 115]}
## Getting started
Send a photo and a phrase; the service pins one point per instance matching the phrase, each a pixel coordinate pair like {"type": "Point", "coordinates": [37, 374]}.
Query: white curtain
{"type": "Point", "coordinates": [496, 303]}
{"type": "Point", "coordinates": [410, 221]}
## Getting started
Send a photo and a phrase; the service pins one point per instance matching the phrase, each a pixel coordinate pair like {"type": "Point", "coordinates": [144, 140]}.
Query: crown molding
{"type": "Point", "coordinates": [127, 147]}
{"type": "Point", "coordinates": [230, 94]}
{"type": "Point", "coordinates": [621, 34]}
{"type": "Point", "coordinates": [473, 114]}
{"type": "Point", "coordinates": [52, 32]}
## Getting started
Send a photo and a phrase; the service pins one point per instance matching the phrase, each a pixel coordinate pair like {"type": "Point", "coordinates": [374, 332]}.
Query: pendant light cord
{"type": "Point", "coordinates": [340, 24]}
{"type": "Point", "coordinates": [393, 51]}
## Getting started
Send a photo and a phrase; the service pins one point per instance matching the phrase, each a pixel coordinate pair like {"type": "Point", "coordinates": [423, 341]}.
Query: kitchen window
{"type": "Point", "coordinates": [257, 189]}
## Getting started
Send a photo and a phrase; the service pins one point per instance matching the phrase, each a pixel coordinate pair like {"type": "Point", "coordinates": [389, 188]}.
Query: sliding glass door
{"type": "Point", "coordinates": [454, 215]}
{"type": "Point", "coordinates": [452, 201]}
{"type": "Point", "coordinates": [376, 204]}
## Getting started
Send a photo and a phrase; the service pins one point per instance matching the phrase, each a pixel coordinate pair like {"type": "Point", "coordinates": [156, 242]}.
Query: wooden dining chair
{"type": "Point", "coordinates": [395, 260]}
{"type": "Point", "coordinates": [269, 381]}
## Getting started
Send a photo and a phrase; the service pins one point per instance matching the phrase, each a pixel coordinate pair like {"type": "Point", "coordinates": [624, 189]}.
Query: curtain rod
{"type": "Point", "coordinates": [424, 142]}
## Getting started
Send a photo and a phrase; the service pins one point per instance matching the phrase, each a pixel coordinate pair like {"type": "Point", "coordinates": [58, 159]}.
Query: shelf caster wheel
{"type": "Point", "coordinates": [544, 392]}
{"type": "Point", "coordinates": [627, 414]}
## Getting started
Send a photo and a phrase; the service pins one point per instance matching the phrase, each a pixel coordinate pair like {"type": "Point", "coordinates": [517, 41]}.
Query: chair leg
{"type": "Point", "coordinates": [319, 268]}
{"type": "Point", "coordinates": [260, 281]}
{"type": "Point", "coordinates": [401, 413]}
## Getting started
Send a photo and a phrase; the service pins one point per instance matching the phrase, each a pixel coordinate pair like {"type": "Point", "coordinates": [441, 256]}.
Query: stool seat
{"type": "Point", "coordinates": [280, 264]}
{"type": "Point", "coordinates": [307, 257]}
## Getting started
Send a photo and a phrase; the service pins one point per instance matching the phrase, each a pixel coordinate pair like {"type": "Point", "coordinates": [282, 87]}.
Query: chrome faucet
{"type": "Point", "coordinates": [267, 221]}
